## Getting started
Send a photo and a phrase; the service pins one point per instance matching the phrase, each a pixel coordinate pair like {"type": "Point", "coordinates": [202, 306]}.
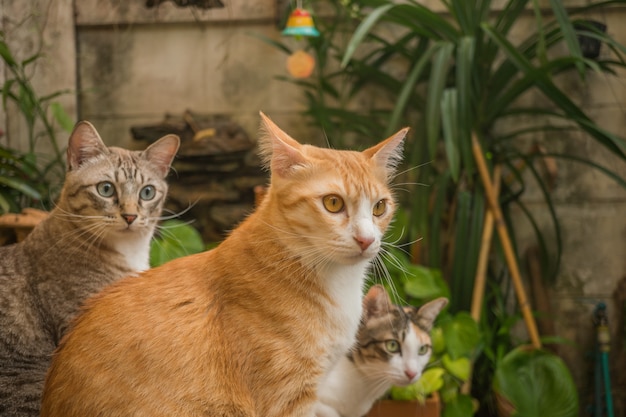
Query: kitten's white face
{"type": "Point", "coordinates": [406, 366]}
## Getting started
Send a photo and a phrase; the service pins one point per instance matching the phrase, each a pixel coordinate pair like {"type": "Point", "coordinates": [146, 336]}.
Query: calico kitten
{"type": "Point", "coordinates": [250, 327]}
{"type": "Point", "coordinates": [99, 231]}
{"type": "Point", "coordinates": [392, 348]}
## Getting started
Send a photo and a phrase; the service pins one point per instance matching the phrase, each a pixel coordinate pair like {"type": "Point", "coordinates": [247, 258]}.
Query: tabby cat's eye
{"type": "Point", "coordinates": [392, 346]}
{"type": "Point", "coordinates": [147, 193]}
{"type": "Point", "coordinates": [105, 189]}
{"type": "Point", "coordinates": [379, 208]}
{"type": "Point", "coordinates": [333, 203]}
{"type": "Point", "coordinates": [423, 350]}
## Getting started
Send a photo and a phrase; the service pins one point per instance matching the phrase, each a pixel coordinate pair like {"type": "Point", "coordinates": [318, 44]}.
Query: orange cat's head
{"type": "Point", "coordinates": [333, 206]}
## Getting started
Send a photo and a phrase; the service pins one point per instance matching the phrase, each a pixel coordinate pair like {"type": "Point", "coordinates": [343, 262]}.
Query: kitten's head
{"type": "Point", "coordinates": [393, 343]}
{"type": "Point", "coordinates": [113, 191]}
{"type": "Point", "coordinates": [333, 206]}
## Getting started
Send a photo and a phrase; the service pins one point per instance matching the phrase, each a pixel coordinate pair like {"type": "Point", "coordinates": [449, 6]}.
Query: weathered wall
{"type": "Point", "coordinates": [130, 66]}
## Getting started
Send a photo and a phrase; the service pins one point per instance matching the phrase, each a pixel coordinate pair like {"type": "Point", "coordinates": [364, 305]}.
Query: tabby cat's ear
{"type": "Point", "coordinates": [426, 315]}
{"type": "Point", "coordinates": [84, 144]}
{"type": "Point", "coordinates": [279, 151]}
{"type": "Point", "coordinates": [388, 153]}
{"type": "Point", "coordinates": [376, 301]}
{"type": "Point", "coordinates": [161, 153]}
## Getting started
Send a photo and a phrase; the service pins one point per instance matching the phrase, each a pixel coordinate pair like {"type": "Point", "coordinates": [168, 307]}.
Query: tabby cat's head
{"type": "Point", "coordinates": [393, 343]}
{"type": "Point", "coordinates": [113, 191]}
{"type": "Point", "coordinates": [334, 206]}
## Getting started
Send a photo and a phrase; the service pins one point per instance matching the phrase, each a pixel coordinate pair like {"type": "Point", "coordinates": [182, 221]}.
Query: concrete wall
{"type": "Point", "coordinates": [129, 66]}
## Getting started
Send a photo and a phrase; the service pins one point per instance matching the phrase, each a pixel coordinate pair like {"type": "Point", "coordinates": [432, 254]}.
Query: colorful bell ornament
{"type": "Point", "coordinates": [300, 23]}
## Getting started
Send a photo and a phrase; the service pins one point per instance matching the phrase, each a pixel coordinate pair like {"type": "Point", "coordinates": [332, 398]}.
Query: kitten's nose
{"type": "Point", "coordinates": [129, 218]}
{"type": "Point", "coordinates": [410, 374]}
{"type": "Point", "coordinates": [364, 242]}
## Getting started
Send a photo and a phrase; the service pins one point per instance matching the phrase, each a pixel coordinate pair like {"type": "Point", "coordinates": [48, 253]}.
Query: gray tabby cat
{"type": "Point", "coordinates": [392, 348]}
{"type": "Point", "coordinates": [99, 231]}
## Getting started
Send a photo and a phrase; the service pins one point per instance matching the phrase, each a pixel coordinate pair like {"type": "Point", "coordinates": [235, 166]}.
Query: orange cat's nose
{"type": "Point", "coordinates": [129, 218]}
{"type": "Point", "coordinates": [364, 242]}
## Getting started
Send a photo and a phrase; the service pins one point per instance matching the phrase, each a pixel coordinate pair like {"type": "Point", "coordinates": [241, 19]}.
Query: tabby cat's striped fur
{"type": "Point", "coordinates": [99, 231]}
{"type": "Point", "coordinates": [250, 327]}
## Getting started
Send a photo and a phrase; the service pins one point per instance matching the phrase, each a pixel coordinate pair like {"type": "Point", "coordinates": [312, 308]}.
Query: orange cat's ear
{"type": "Point", "coordinates": [162, 152]}
{"type": "Point", "coordinates": [388, 153]}
{"type": "Point", "coordinates": [279, 151]}
{"type": "Point", "coordinates": [84, 143]}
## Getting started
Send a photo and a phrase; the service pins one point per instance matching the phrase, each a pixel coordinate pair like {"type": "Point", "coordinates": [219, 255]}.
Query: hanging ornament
{"type": "Point", "coordinates": [300, 64]}
{"type": "Point", "coordinates": [300, 23]}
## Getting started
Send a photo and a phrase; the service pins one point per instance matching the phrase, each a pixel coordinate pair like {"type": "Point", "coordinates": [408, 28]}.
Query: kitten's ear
{"type": "Point", "coordinates": [279, 151]}
{"type": "Point", "coordinates": [376, 301]}
{"type": "Point", "coordinates": [161, 153]}
{"type": "Point", "coordinates": [388, 153]}
{"type": "Point", "coordinates": [84, 144]}
{"type": "Point", "coordinates": [427, 313]}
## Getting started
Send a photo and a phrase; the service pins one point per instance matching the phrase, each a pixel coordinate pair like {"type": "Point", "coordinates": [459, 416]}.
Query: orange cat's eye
{"type": "Point", "coordinates": [333, 203]}
{"type": "Point", "coordinates": [379, 208]}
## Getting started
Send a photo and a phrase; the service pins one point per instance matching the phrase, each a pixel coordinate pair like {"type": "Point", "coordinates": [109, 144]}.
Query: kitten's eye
{"type": "Point", "coordinates": [333, 203]}
{"type": "Point", "coordinates": [147, 193]}
{"type": "Point", "coordinates": [105, 189]}
{"type": "Point", "coordinates": [392, 346]}
{"type": "Point", "coordinates": [423, 350]}
{"type": "Point", "coordinates": [380, 208]}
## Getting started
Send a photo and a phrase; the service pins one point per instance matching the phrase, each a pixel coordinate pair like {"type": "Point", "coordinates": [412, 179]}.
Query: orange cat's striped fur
{"type": "Point", "coordinates": [251, 327]}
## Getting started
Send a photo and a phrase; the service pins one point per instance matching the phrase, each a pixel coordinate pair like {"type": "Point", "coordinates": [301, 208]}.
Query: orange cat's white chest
{"type": "Point", "coordinates": [344, 285]}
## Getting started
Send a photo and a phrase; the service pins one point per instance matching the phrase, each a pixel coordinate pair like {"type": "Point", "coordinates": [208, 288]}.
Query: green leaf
{"type": "Point", "coordinates": [61, 116]}
{"type": "Point", "coordinates": [536, 383]}
{"type": "Point", "coordinates": [408, 88]}
{"type": "Point", "coordinates": [20, 186]}
{"type": "Point", "coordinates": [270, 41]}
{"type": "Point", "coordinates": [362, 30]}
{"type": "Point", "coordinates": [461, 334]}
{"type": "Point", "coordinates": [430, 381]}
{"type": "Point", "coordinates": [460, 367]}
{"type": "Point", "coordinates": [460, 406]}
{"type": "Point", "coordinates": [568, 33]}
{"type": "Point", "coordinates": [450, 121]}
{"type": "Point", "coordinates": [176, 239]}
{"type": "Point", "coordinates": [6, 55]}
{"type": "Point", "coordinates": [425, 283]}
{"type": "Point", "coordinates": [436, 85]}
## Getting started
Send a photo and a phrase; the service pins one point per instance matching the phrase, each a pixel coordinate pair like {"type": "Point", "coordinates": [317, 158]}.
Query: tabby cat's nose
{"type": "Point", "coordinates": [129, 218]}
{"type": "Point", "coordinates": [410, 374]}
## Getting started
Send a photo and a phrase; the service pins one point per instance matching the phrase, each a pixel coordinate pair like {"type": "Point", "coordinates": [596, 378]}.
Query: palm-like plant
{"type": "Point", "coordinates": [450, 75]}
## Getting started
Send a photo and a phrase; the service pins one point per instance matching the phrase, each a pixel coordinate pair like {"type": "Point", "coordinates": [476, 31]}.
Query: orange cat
{"type": "Point", "coordinates": [251, 327]}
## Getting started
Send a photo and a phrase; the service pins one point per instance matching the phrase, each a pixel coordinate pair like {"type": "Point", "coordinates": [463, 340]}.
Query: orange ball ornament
{"type": "Point", "coordinates": [300, 64]}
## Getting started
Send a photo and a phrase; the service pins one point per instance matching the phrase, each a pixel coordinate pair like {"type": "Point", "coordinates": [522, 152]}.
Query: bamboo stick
{"type": "Point", "coordinates": [485, 247]}
{"type": "Point", "coordinates": [505, 240]}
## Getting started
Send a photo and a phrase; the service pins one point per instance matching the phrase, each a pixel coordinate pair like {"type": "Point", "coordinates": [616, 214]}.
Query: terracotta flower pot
{"type": "Point", "coordinates": [392, 408]}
